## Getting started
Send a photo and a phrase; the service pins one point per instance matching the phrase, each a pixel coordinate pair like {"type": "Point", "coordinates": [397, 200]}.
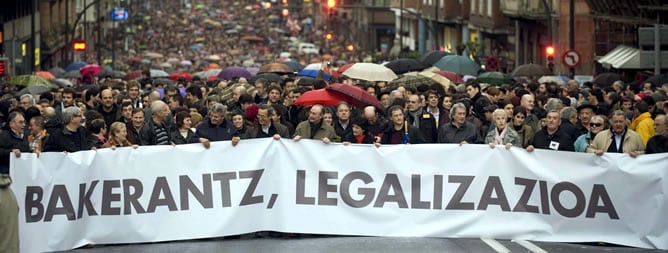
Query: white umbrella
{"type": "Point", "coordinates": [370, 72]}
{"type": "Point", "coordinates": [153, 55]}
{"type": "Point", "coordinates": [551, 79]}
{"type": "Point", "coordinates": [185, 63]}
{"type": "Point", "coordinates": [156, 73]}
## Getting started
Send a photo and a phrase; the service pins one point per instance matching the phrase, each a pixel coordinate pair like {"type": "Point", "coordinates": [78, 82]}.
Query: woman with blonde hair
{"type": "Point", "coordinates": [501, 134]}
{"type": "Point", "coordinates": [118, 136]}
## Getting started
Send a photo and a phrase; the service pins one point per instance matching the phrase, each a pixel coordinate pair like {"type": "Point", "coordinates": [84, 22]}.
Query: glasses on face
{"type": "Point", "coordinates": [595, 124]}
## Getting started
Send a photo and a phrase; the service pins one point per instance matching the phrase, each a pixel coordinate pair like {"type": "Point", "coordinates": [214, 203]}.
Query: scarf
{"type": "Point", "coordinates": [498, 137]}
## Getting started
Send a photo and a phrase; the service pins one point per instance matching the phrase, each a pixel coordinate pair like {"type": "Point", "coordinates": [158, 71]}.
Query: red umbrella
{"type": "Point", "coordinates": [356, 95]}
{"type": "Point", "coordinates": [90, 70]}
{"type": "Point", "coordinates": [133, 75]}
{"type": "Point", "coordinates": [452, 76]}
{"type": "Point", "coordinates": [183, 75]}
{"type": "Point", "coordinates": [321, 96]}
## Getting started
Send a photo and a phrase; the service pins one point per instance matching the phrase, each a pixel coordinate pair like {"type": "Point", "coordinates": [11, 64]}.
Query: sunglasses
{"type": "Point", "coordinates": [595, 124]}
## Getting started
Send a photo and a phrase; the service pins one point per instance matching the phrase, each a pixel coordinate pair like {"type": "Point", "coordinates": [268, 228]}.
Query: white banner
{"type": "Point", "coordinates": [164, 193]}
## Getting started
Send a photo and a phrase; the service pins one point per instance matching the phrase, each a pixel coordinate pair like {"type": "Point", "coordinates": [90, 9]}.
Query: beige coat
{"type": "Point", "coordinates": [632, 142]}
{"type": "Point", "coordinates": [304, 130]}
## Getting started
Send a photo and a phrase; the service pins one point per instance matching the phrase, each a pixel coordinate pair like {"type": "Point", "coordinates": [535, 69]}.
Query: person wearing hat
{"type": "Point", "coordinates": [585, 112]}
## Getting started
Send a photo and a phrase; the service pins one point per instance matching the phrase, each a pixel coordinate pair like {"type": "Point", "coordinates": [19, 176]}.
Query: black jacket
{"type": "Point", "coordinates": [147, 134]}
{"type": "Point", "coordinates": [427, 124]}
{"type": "Point", "coordinates": [222, 132]}
{"type": "Point", "coordinates": [368, 138]}
{"type": "Point", "coordinates": [657, 144]}
{"type": "Point", "coordinates": [8, 142]}
{"type": "Point", "coordinates": [543, 140]}
{"type": "Point", "coordinates": [65, 140]}
{"type": "Point", "coordinates": [414, 135]}
{"type": "Point", "coordinates": [178, 139]}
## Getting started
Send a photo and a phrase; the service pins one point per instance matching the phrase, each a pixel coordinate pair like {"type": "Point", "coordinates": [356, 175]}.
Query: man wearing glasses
{"type": "Point", "coordinates": [618, 139]}
{"type": "Point", "coordinates": [72, 137]}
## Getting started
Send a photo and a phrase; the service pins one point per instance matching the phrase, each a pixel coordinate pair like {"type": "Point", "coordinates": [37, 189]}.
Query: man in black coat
{"type": "Point", "coordinates": [72, 137]}
{"type": "Point", "coordinates": [216, 128]}
{"type": "Point", "coordinates": [266, 127]}
{"type": "Point", "coordinates": [396, 132]}
{"type": "Point", "coordinates": [421, 119]}
{"type": "Point", "coordinates": [551, 136]}
{"type": "Point", "coordinates": [12, 140]}
{"type": "Point", "coordinates": [659, 142]}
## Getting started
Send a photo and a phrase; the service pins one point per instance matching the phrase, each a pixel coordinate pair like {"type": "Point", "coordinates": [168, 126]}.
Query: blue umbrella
{"type": "Point", "coordinates": [459, 64]}
{"type": "Point", "coordinates": [312, 73]}
{"type": "Point", "coordinates": [75, 66]}
{"type": "Point", "coordinates": [294, 65]}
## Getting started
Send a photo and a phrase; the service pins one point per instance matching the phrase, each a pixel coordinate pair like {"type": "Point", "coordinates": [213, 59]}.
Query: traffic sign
{"type": "Point", "coordinates": [571, 58]}
{"type": "Point", "coordinates": [119, 15]}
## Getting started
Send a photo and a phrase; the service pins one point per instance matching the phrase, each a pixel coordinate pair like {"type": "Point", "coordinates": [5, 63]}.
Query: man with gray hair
{"type": "Point", "coordinates": [216, 128]}
{"type": "Point", "coordinates": [659, 142]}
{"type": "Point", "coordinates": [155, 131]}
{"type": "Point", "coordinates": [551, 136]}
{"type": "Point", "coordinates": [617, 139]}
{"type": "Point", "coordinates": [458, 130]}
{"type": "Point", "coordinates": [72, 137]}
{"type": "Point", "coordinates": [26, 101]}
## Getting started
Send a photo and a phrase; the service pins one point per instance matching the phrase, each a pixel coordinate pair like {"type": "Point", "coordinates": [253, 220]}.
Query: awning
{"type": "Point", "coordinates": [622, 57]}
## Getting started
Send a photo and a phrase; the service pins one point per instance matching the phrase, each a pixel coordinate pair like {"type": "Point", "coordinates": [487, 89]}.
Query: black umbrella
{"type": "Point", "coordinates": [402, 66]}
{"type": "Point", "coordinates": [658, 80]}
{"type": "Point", "coordinates": [530, 70]}
{"type": "Point", "coordinates": [606, 79]}
{"type": "Point", "coordinates": [431, 57]}
{"type": "Point", "coordinates": [271, 77]}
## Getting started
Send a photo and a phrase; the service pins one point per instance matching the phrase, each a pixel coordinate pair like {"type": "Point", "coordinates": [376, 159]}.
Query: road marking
{"type": "Point", "coordinates": [497, 246]}
{"type": "Point", "coordinates": [530, 246]}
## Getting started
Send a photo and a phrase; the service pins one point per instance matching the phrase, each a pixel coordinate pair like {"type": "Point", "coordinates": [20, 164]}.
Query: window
{"type": "Point", "coordinates": [441, 4]}
{"type": "Point", "coordinates": [480, 7]}
{"type": "Point", "coordinates": [489, 8]}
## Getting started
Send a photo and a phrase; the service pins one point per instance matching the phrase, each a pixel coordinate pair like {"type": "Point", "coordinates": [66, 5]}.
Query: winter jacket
{"type": "Point", "coordinates": [644, 126]}
{"type": "Point", "coordinates": [630, 142]}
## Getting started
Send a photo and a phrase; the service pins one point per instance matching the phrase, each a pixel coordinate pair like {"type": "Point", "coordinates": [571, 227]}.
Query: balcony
{"type": "Point", "coordinates": [531, 9]}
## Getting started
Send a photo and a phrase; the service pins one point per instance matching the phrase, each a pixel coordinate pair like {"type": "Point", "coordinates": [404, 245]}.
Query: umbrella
{"type": "Point", "coordinates": [90, 70]}
{"type": "Point", "coordinates": [173, 60]}
{"type": "Point", "coordinates": [342, 69]}
{"type": "Point", "coordinates": [156, 73]}
{"type": "Point", "coordinates": [252, 38]}
{"type": "Point", "coordinates": [86, 87]}
{"type": "Point", "coordinates": [153, 55]}
{"type": "Point", "coordinates": [459, 64]}
{"type": "Point", "coordinates": [253, 70]}
{"type": "Point", "coordinates": [606, 79]}
{"type": "Point", "coordinates": [312, 70]}
{"type": "Point", "coordinates": [212, 66]}
{"type": "Point", "coordinates": [207, 73]}
{"type": "Point", "coordinates": [370, 72]}
{"type": "Point", "coordinates": [62, 82]}
{"type": "Point", "coordinates": [230, 73]}
{"type": "Point", "coordinates": [166, 65]}
{"type": "Point", "coordinates": [431, 57]}
{"type": "Point", "coordinates": [72, 74]}
{"type": "Point", "coordinates": [213, 57]}
{"type": "Point", "coordinates": [452, 76]}
{"type": "Point", "coordinates": [57, 72]}
{"type": "Point", "coordinates": [658, 80]}
{"type": "Point", "coordinates": [279, 68]}
{"type": "Point", "coordinates": [75, 66]}
{"type": "Point", "coordinates": [356, 95]}
{"type": "Point", "coordinates": [495, 78]}
{"type": "Point", "coordinates": [530, 70]}
{"type": "Point", "coordinates": [184, 75]}
{"type": "Point", "coordinates": [185, 63]}
{"type": "Point", "coordinates": [34, 89]}
{"type": "Point", "coordinates": [401, 66]}
{"type": "Point", "coordinates": [162, 81]}
{"type": "Point", "coordinates": [113, 73]}
{"type": "Point", "coordinates": [294, 65]}
{"type": "Point", "coordinates": [271, 77]}
{"type": "Point", "coordinates": [560, 80]}
{"type": "Point", "coordinates": [437, 78]}
{"type": "Point", "coordinates": [321, 96]}
{"type": "Point", "coordinates": [45, 74]}
{"type": "Point", "coordinates": [133, 75]}
{"type": "Point", "coordinates": [412, 81]}
{"type": "Point", "coordinates": [29, 80]}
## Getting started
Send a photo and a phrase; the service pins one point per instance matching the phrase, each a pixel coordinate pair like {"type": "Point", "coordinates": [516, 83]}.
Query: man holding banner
{"type": "Point", "coordinates": [12, 140]}
{"type": "Point", "coordinates": [400, 132]}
